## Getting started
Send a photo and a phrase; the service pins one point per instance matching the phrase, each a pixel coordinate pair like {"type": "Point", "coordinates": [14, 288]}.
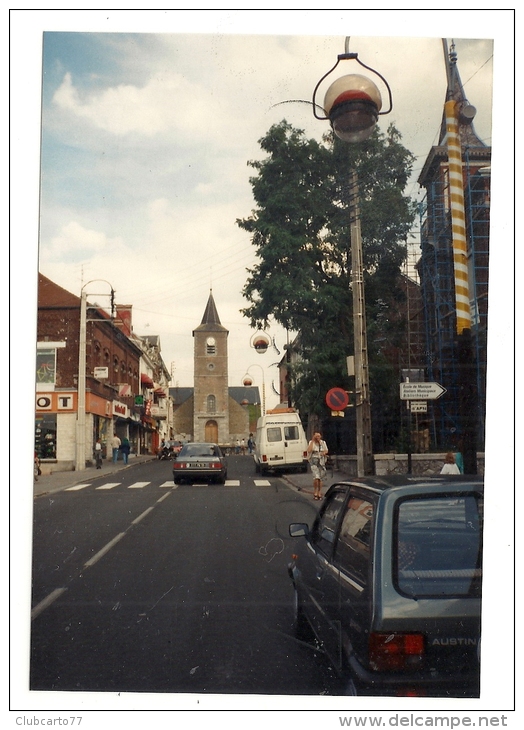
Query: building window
{"type": "Point", "coordinates": [45, 436]}
{"type": "Point", "coordinates": [211, 404]}
{"type": "Point", "coordinates": [46, 366]}
{"type": "Point", "coordinates": [211, 346]}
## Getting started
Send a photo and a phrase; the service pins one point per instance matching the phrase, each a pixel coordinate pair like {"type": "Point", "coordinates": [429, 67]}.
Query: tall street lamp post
{"type": "Point", "coordinates": [247, 381]}
{"type": "Point", "coordinates": [352, 104]}
{"type": "Point", "coordinates": [80, 453]}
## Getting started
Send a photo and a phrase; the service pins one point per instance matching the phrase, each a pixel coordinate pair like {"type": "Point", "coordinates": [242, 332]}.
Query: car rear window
{"type": "Point", "coordinates": [200, 450]}
{"type": "Point", "coordinates": [438, 546]}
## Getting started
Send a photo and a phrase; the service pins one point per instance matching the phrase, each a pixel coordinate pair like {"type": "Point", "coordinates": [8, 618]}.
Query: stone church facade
{"type": "Point", "coordinates": [209, 411]}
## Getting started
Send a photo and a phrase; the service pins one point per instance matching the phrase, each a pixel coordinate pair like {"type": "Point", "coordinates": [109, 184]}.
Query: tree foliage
{"type": "Point", "coordinates": [301, 231]}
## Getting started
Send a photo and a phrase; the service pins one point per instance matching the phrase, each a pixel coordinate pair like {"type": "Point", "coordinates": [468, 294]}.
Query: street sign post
{"type": "Point", "coordinates": [421, 391]}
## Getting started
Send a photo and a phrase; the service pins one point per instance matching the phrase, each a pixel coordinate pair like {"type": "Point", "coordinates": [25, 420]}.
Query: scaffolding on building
{"type": "Point", "coordinates": [435, 268]}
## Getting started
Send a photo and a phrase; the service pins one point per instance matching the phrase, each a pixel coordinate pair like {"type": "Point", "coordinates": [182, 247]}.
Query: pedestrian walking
{"type": "Point", "coordinates": [243, 447]}
{"type": "Point", "coordinates": [125, 448]}
{"type": "Point", "coordinates": [251, 443]}
{"type": "Point", "coordinates": [317, 451]}
{"type": "Point", "coordinates": [98, 454]}
{"type": "Point", "coordinates": [450, 466]}
{"type": "Point", "coordinates": [115, 445]}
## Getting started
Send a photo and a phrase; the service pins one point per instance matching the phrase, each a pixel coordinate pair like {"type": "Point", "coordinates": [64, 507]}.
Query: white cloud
{"type": "Point", "coordinates": [74, 240]}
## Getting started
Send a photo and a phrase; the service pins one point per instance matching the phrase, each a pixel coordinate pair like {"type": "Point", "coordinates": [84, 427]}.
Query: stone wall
{"type": "Point", "coordinates": [421, 464]}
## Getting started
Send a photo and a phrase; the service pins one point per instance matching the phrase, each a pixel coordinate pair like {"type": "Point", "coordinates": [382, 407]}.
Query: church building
{"type": "Point", "coordinates": [211, 411]}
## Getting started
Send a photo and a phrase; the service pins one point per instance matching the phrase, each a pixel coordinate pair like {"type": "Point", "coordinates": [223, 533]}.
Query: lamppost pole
{"type": "Point", "coordinates": [80, 452]}
{"type": "Point", "coordinates": [363, 408]}
{"type": "Point", "coordinates": [80, 460]}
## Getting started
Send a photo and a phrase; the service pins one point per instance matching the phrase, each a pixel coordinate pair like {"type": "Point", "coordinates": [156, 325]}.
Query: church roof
{"type": "Point", "coordinates": [477, 149]}
{"type": "Point", "coordinates": [210, 320]}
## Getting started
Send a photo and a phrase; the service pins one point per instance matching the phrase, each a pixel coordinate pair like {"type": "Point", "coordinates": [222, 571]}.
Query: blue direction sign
{"type": "Point", "coordinates": [421, 391]}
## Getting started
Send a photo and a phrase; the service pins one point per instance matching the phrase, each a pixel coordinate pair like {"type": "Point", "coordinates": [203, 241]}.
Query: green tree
{"type": "Point", "coordinates": [301, 231]}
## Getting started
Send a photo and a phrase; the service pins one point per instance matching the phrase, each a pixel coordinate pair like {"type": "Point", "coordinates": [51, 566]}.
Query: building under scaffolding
{"type": "Point", "coordinates": [436, 272]}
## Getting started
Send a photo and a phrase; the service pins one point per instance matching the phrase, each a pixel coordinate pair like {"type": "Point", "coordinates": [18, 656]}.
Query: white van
{"type": "Point", "coordinates": [280, 442]}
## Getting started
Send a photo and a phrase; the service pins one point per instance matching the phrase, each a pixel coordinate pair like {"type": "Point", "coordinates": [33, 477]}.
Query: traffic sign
{"type": "Point", "coordinates": [337, 399]}
{"type": "Point", "coordinates": [418, 406]}
{"type": "Point", "coordinates": [421, 391]}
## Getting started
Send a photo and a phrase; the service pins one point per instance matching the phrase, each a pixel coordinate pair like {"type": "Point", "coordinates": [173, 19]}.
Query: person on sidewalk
{"type": "Point", "coordinates": [450, 466]}
{"type": "Point", "coordinates": [317, 451]}
{"type": "Point", "coordinates": [98, 454]}
{"type": "Point", "coordinates": [125, 448]}
{"type": "Point", "coordinates": [115, 445]}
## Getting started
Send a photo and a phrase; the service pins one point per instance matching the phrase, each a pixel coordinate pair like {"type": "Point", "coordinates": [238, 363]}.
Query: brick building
{"type": "Point", "coordinates": [112, 378]}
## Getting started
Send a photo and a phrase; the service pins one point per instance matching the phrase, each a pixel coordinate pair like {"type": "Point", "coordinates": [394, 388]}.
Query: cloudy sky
{"type": "Point", "coordinates": [145, 144]}
{"type": "Point", "coordinates": [148, 120]}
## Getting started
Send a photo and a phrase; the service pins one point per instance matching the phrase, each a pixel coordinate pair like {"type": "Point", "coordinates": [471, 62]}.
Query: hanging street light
{"type": "Point", "coordinates": [353, 102]}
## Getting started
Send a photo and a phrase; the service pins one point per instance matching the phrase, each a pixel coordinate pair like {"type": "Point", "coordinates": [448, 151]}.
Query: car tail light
{"type": "Point", "coordinates": [304, 454]}
{"type": "Point", "coordinates": [394, 652]}
{"type": "Point", "coordinates": [179, 465]}
{"type": "Point", "coordinates": [264, 457]}
{"type": "Point", "coordinates": [216, 465]}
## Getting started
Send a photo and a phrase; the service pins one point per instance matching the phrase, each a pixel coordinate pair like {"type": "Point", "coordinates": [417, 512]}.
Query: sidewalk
{"type": "Point", "coordinates": [62, 479]}
{"type": "Point", "coordinates": [304, 482]}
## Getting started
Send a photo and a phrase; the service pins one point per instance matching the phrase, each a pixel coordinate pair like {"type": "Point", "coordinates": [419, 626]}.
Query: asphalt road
{"type": "Point", "coordinates": [144, 586]}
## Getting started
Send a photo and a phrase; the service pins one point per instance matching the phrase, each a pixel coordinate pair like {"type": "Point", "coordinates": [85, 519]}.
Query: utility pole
{"type": "Point", "coordinates": [363, 407]}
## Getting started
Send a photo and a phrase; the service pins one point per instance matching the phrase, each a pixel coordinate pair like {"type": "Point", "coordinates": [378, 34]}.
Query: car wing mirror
{"type": "Point", "coordinates": [298, 529]}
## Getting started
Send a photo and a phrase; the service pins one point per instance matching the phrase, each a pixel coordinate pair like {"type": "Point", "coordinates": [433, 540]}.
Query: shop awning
{"type": "Point", "coordinates": [146, 380]}
{"type": "Point", "coordinates": [160, 392]}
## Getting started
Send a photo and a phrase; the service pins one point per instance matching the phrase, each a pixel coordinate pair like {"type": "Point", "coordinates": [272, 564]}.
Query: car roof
{"type": "Point", "coordinates": [396, 481]}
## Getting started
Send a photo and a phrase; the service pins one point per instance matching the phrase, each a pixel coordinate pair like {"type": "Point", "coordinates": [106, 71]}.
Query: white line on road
{"type": "Point", "coordinates": [138, 485]}
{"type": "Point", "coordinates": [262, 483]}
{"type": "Point", "coordinates": [48, 600]}
{"type": "Point", "coordinates": [169, 484]}
{"type": "Point", "coordinates": [141, 517]}
{"type": "Point", "coordinates": [232, 482]}
{"type": "Point", "coordinates": [109, 485]}
{"type": "Point", "coordinates": [77, 487]}
{"type": "Point", "coordinates": [104, 550]}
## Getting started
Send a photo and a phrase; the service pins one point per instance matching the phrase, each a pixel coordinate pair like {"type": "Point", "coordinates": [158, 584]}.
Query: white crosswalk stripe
{"type": "Point", "coordinates": [169, 484]}
{"type": "Point", "coordinates": [77, 487]}
{"type": "Point", "coordinates": [262, 483]}
{"type": "Point", "coordinates": [232, 482]}
{"type": "Point", "coordinates": [109, 485]}
{"type": "Point", "coordinates": [138, 485]}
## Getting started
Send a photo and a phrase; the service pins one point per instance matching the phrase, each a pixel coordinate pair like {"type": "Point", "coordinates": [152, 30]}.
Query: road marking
{"type": "Point", "coordinates": [48, 600]}
{"type": "Point", "coordinates": [104, 550]}
{"type": "Point", "coordinates": [141, 517]}
{"type": "Point", "coordinates": [232, 482]}
{"type": "Point", "coordinates": [169, 484]}
{"type": "Point", "coordinates": [138, 485]}
{"type": "Point", "coordinates": [262, 483]}
{"type": "Point", "coordinates": [109, 485]}
{"type": "Point", "coordinates": [77, 487]}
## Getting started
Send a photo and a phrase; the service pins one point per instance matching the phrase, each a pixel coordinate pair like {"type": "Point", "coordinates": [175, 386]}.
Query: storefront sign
{"type": "Point", "coordinates": [54, 402]}
{"type": "Point", "coordinates": [120, 409]}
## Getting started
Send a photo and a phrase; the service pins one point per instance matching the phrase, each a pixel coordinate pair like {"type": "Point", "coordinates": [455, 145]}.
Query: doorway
{"type": "Point", "coordinates": [211, 432]}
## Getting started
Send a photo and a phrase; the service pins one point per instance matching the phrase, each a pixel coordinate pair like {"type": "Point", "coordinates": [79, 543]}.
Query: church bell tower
{"type": "Point", "coordinates": [211, 394]}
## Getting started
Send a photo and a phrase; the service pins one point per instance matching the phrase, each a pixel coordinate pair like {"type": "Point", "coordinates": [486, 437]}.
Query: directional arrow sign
{"type": "Point", "coordinates": [421, 391]}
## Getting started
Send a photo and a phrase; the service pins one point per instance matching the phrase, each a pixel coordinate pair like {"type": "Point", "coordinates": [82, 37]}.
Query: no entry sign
{"type": "Point", "coordinates": [337, 399]}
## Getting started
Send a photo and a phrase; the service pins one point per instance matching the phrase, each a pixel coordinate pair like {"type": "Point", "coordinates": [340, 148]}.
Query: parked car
{"type": "Point", "coordinates": [388, 580]}
{"type": "Point", "coordinates": [200, 462]}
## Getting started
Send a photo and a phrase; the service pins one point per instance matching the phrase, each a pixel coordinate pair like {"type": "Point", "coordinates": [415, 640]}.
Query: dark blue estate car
{"type": "Point", "coordinates": [388, 579]}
